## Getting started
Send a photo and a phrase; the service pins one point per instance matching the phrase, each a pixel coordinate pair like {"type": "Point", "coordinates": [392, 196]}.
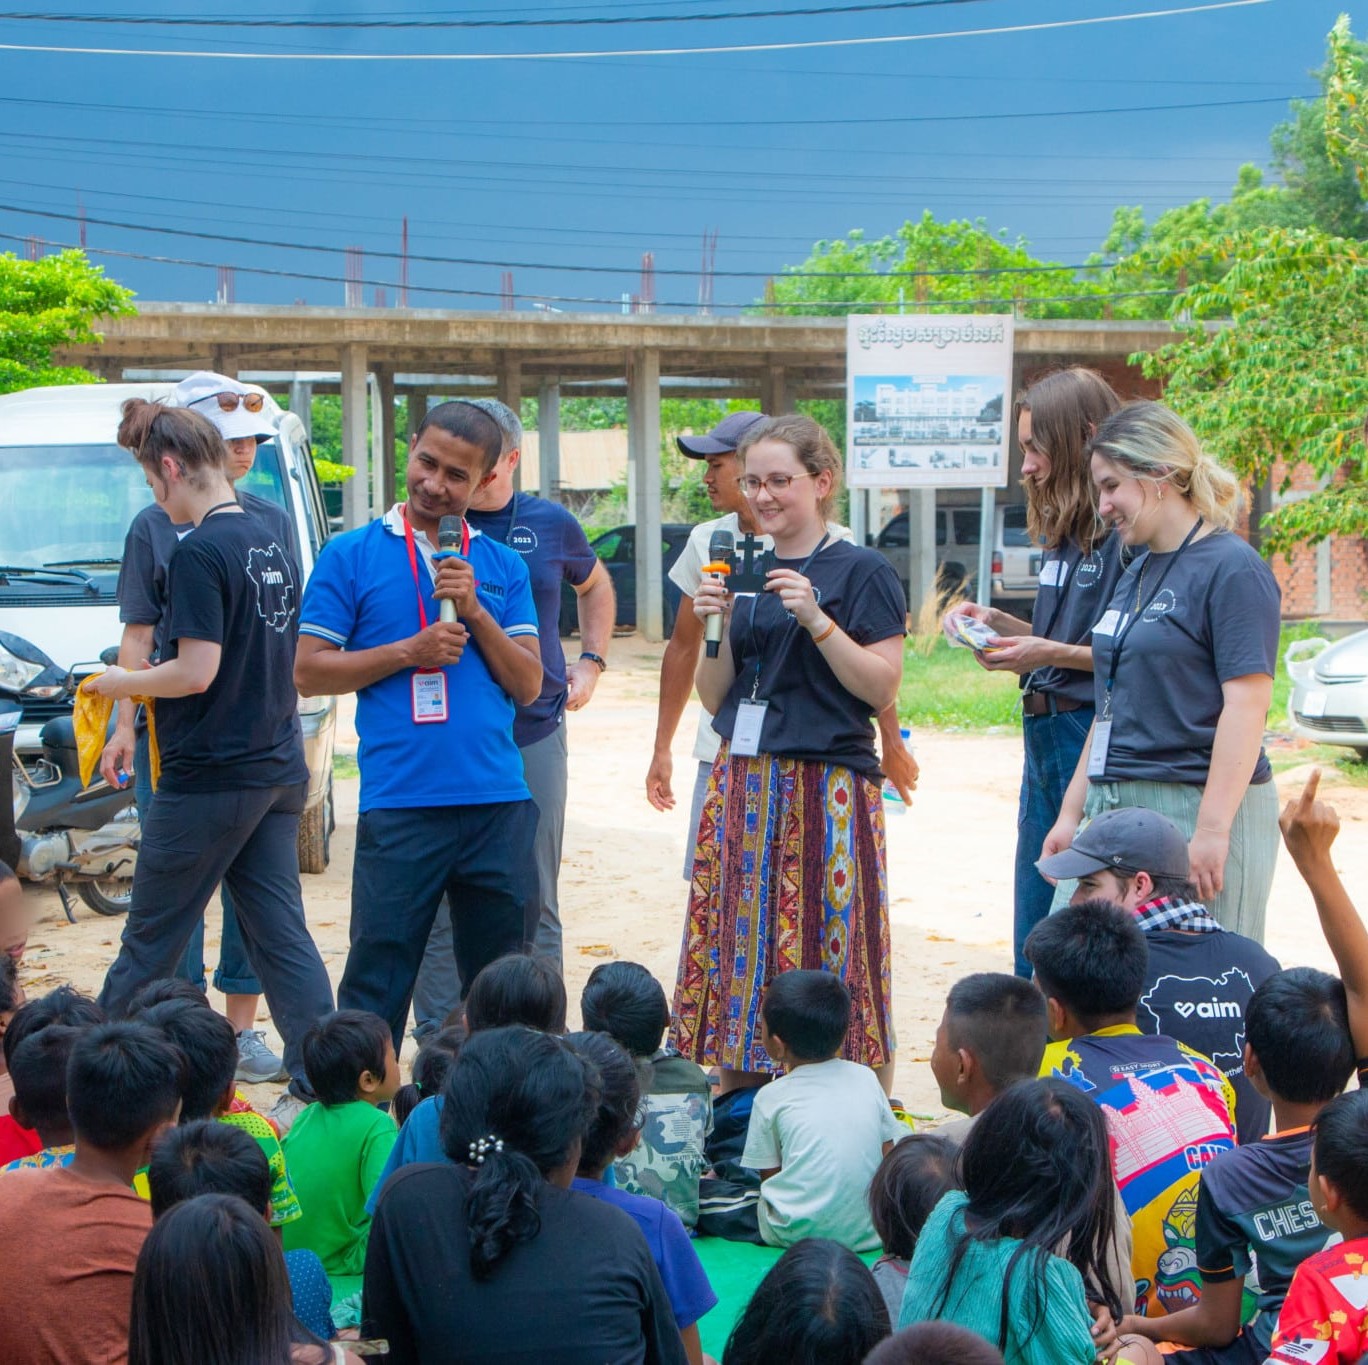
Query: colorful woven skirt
{"type": "Point", "coordinates": [789, 874]}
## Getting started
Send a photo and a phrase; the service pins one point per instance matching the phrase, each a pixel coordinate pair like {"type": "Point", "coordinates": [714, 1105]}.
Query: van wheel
{"type": "Point", "coordinates": [107, 895]}
{"type": "Point", "coordinates": [315, 834]}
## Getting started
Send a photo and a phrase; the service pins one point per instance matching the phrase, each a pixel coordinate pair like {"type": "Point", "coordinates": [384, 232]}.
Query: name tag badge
{"type": "Point", "coordinates": [1111, 622]}
{"type": "Point", "coordinates": [750, 720]}
{"type": "Point", "coordinates": [1053, 573]}
{"type": "Point", "coordinates": [1097, 755]}
{"type": "Point", "coordinates": [429, 698]}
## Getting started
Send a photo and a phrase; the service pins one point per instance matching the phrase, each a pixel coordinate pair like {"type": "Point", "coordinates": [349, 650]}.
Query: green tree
{"type": "Point", "coordinates": [47, 304]}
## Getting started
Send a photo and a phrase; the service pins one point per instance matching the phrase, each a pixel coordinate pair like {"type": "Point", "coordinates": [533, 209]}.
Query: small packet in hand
{"type": "Point", "coordinates": [970, 633]}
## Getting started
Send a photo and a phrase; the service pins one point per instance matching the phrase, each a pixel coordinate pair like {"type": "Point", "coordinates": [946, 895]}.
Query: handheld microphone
{"type": "Point", "coordinates": [721, 548]}
{"type": "Point", "coordinates": [449, 542]}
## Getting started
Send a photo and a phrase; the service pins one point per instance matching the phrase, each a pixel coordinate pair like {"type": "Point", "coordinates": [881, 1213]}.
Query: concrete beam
{"type": "Point", "coordinates": [643, 453]}
{"type": "Point", "coordinates": [356, 490]}
{"type": "Point", "coordinates": [548, 439]}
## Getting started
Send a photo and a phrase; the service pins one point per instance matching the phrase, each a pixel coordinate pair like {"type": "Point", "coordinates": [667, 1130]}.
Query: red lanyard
{"type": "Point", "coordinates": [413, 560]}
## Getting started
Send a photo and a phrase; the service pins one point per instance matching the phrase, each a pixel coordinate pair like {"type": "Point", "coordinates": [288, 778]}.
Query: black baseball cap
{"type": "Point", "coordinates": [1128, 840]}
{"type": "Point", "coordinates": [722, 439]}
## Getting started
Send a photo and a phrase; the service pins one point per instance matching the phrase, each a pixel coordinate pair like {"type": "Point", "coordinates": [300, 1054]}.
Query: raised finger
{"type": "Point", "coordinates": [1308, 792]}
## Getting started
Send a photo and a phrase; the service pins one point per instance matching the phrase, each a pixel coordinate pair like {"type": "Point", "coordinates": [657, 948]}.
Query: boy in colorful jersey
{"type": "Point", "coordinates": [1170, 1110]}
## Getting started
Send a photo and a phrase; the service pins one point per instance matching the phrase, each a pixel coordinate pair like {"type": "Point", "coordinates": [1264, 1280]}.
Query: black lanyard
{"type": "Point", "coordinates": [1119, 638]}
{"type": "Point", "coordinates": [755, 598]}
{"type": "Point", "coordinates": [512, 519]}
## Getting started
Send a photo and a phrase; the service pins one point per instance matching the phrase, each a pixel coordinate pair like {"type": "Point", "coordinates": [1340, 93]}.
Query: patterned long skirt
{"type": "Point", "coordinates": [789, 874]}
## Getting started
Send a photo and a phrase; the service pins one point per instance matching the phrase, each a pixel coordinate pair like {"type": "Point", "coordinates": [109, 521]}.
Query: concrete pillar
{"type": "Point", "coordinates": [417, 405]}
{"type": "Point", "coordinates": [921, 546]}
{"type": "Point", "coordinates": [776, 394]}
{"type": "Point", "coordinates": [643, 454]}
{"type": "Point", "coordinates": [384, 382]}
{"type": "Point", "coordinates": [377, 450]}
{"type": "Point", "coordinates": [301, 404]}
{"type": "Point", "coordinates": [224, 363]}
{"type": "Point", "coordinates": [356, 490]}
{"type": "Point", "coordinates": [987, 525]}
{"type": "Point", "coordinates": [508, 381]}
{"type": "Point", "coordinates": [548, 438]}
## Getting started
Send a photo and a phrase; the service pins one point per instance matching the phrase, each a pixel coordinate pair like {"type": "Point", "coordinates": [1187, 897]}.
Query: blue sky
{"type": "Point", "coordinates": [538, 166]}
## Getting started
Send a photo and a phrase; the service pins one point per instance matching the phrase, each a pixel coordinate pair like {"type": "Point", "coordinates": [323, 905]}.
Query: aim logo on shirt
{"type": "Point", "coordinates": [273, 579]}
{"type": "Point", "coordinates": [1207, 999]}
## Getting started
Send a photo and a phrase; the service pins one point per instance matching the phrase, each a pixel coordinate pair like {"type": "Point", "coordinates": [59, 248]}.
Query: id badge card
{"type": "Point", "coordinates": [1097, 755]}
{"type": "Point", "coordinates": [750, 720]}
{"type": "Point", "coordinates": [429, 698]}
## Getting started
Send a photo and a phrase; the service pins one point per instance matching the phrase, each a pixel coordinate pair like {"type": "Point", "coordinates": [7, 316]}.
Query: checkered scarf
{"type": "Point", "coordinates": [1166, 912]}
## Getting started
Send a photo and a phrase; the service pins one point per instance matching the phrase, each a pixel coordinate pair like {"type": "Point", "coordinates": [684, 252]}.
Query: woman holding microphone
{"type": "Point", "coordinates": [1056, 417]}
{"type": "Point", "coordinates": [790, 871]}
{"type": "Point", "coordinates": [1183, 663]}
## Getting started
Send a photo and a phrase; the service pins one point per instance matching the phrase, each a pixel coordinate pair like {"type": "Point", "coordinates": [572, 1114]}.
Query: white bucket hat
{"type": "Point", "coordinates": [200, 393]}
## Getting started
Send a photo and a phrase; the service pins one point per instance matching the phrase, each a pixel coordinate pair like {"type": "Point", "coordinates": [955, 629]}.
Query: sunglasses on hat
{"type": "Point", "coordinates": [228, 402]}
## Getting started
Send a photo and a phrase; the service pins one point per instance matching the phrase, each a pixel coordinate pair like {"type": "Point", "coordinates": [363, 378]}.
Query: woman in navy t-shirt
{"type": "Point", "coordinates": [1183, 665]}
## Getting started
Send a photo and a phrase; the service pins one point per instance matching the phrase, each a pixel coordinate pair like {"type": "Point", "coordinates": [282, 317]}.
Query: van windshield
{"type": "Point", "coordinates": [73, 504]}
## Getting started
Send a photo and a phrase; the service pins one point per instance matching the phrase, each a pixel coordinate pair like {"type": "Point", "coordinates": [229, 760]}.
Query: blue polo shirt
{"type": "Point", "coordinates": [362, 594]}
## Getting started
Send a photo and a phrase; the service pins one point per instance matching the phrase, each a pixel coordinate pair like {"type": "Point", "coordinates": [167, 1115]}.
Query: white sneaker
{"type": "Point", "coordinates": [285, 1111]}
{"type": "Point", "coordinates": [256, 1062]}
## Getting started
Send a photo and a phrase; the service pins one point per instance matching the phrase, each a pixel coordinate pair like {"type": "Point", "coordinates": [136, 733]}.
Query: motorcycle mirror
{"type": "Point", "coordinates": [109, 657]}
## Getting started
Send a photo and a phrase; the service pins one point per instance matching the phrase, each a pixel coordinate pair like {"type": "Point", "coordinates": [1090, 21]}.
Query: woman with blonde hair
{"type": "Point", "coordinates": [1183, 663]}
{"type": "Point", "coordinates": [790, 870]}
{"type": "Point", "coordinates": [1056, 417]}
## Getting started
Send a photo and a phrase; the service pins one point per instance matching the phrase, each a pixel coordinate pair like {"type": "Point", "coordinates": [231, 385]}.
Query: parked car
{"type": "Point", "coordinates": [617, 550]}
{"type": "Point", "coordinates": [1329, 697]}
{"type": "Point", "coordinates": [67, 495]}
{"type": "Point", "coordinates": [1015, 564]}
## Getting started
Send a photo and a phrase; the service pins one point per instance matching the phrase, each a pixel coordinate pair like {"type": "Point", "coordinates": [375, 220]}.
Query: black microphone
{"type": "Point", "coordinates": [721, 548]}
{"type": "Point", "coordinates": [449, 540]}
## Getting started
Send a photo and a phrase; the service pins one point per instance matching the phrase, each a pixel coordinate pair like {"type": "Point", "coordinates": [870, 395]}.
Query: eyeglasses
{"type": "Point", "coordinates": [228, 402]}
{"type": "Point", "coordinates": [776, 483]}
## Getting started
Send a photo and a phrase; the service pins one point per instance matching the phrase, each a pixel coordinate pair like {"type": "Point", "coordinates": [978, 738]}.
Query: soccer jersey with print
{"type": "Point", "coordinates": [1324, 1319]}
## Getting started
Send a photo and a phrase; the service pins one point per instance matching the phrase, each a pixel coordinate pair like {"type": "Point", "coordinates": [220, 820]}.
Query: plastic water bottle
{"type": "Point", "coordinates": [893, 802]}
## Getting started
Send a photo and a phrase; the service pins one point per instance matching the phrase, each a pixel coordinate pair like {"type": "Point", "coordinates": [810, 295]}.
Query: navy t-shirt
{"type": "Point", "coordinates": [555, 549]}
{"type": "Point", "coordinates": [1215, 616]}
{"type": "Point", "coordinates": [233, 583]}
{"type": "Point", "coordinates": [810, 715]}
{"type": "Point", "coordinates": [1074, 591]}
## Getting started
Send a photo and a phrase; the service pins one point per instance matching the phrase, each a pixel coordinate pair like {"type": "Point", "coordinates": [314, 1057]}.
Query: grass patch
{"type": "Point", "coordinates": [944, 689]}
{"type": "Point", "coordinates": [345, 765]}
{"type": "Point", "coordinates": [1333, 758]}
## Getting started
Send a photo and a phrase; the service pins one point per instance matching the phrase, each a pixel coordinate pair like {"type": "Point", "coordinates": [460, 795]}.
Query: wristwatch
{"type": "Point", "coordinates": [596, 659]}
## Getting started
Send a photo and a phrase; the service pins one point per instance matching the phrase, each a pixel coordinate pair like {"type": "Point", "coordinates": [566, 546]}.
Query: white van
{"type": "Point", "coordinates": [67, 495]}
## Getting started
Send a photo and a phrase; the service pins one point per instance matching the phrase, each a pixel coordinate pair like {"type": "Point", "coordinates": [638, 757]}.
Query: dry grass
{"type": "Point", "coordinates": [925, 623]}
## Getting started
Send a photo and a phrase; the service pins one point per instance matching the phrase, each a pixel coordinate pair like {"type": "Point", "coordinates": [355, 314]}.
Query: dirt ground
{"type": "Point", "coordinates": [622, 892]}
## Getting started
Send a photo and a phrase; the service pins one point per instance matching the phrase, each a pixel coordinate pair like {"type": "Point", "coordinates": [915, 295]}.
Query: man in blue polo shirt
{"type": "Point", "coordinates": [444, 807]}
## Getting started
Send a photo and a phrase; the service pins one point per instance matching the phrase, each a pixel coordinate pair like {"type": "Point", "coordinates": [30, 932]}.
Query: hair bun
{"type": "Point", "coordinates": [137, 418]}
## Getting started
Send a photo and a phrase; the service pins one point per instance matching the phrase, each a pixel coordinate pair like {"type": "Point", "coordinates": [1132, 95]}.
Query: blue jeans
{"type": "Point", "coordinates": [1053, 745]}
{"type": "Point", "coordinates": [233, 975]}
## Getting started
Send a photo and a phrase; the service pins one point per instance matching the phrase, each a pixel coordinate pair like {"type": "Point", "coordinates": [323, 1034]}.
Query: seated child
{"type": "Point", "coordinates": [817, 1133]}
{"type": "Point", "coordinates": [61, 1006]}
{"type": "Point", "coordinates": [818, 1305]}
{"type": "Point", "coordinates": [613, 1132]}
{"type": "Point", "coordinates": [337, 1147]}
{"type": "Point", "coordinates": [212, 1158]}
{"type": "Point", "coordinates": [1169, 1109]}
{"type": "Point", "coordinates": [1253, 1204]}
{"type": "Point", "coordinates": [908, 1184]}
{"type": "Point", "coordinates": [934, 1343]}
{"type": "Point", "coordinates": [1036, 1179]}
{"type": "Point", "coordinates": [11, 997]}
{"type": "Point", "coordinates": [623, 1000]}
{"type": "Point", "coordinates": [79, 1228]}
{"type": "Point", "coordinates": [435, 1056]}
{"type": "Point", "coordinates": [40, 1102]}
{"type": "Point", "coordinates": [1324, 1318]}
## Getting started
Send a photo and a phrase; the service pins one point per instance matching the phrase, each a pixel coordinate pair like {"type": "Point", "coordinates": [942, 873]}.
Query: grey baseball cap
{"type": "Point", "coordinates": [722, 439]}
{"type": "Point", "coordinates": [1128, 840]}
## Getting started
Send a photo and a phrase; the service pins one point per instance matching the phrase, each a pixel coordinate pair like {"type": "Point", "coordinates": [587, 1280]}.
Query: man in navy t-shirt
{"type": "Point", "coordinates": [553, 545]}
{"type": "Point", "coordinates": [444, 808]}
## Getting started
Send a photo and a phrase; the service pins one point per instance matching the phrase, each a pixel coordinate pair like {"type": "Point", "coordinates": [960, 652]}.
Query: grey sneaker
{"type": "Point", "coordinates": [285, 1111]}
{"type": "Point", "coordinates": [256, 1062]}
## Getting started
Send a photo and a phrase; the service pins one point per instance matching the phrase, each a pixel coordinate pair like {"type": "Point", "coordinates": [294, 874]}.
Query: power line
{"type": "Point", "coordinates": [792, 45]}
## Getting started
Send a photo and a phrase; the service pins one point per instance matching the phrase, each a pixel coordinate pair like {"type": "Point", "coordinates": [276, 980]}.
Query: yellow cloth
{"type": "Point", "coordinates": [91, 718]}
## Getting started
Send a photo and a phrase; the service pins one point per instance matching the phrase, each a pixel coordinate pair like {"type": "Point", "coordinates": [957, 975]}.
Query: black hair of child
{"type": "Point", "coordinates": [160, 991]}
{"type": "Point", "coordinates": [207, 1157]}
{"type": "Point", "coordinates": [810, 1011]}
{"type": "Point", "coordinates": [1001, 1019]}
{"type": "Point", "coordinates": [624, 1000]}
{"type": "Point", "coordinates": [435, 1056]}
{"type": "Point", "coordinates": [531, 1092]}
{"type": "Point", "coordinates": [818, 1305]}
{"type": "Point", "coordinates": [64, 1005]}
{"type": "Point", "coordinates": [1297, 1023]}
{"type": "Point", "coordinates": [122, 1081]}
{"type": "Point", "coordinates": [1092, 958]}
{"type": "Point", "coordinates": [338, 1048]}
{"type": "Point", "coordinates": [9, 983]}
{"type": "Point", "coordinates": [1341, 1140]}
{"type": "Point", "coordinates": [212, 1272]}
{"type": "Point", "coordinates": [1036, 1166]}
{"type": "Point", "coordinates": [935, 1343]}
{"type": "Point", "coordinates": [619, 1104]}
{"type": "Point", "coordinates": [38, 1070]}
{"type": "Point", "coordinates": [908, 1184]}
{"type": "Point", "coordinates": [206, 1041]}
{"type": "Point", "coordinates": [517, 989]}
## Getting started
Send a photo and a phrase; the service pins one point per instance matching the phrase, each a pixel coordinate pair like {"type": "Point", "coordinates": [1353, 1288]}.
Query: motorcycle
{"type": "Point", "coordinates": [57, 832]}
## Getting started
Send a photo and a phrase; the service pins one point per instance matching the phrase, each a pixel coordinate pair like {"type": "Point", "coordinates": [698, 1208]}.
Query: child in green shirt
{"type": "Point", "coordinates": [337, 1148]}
